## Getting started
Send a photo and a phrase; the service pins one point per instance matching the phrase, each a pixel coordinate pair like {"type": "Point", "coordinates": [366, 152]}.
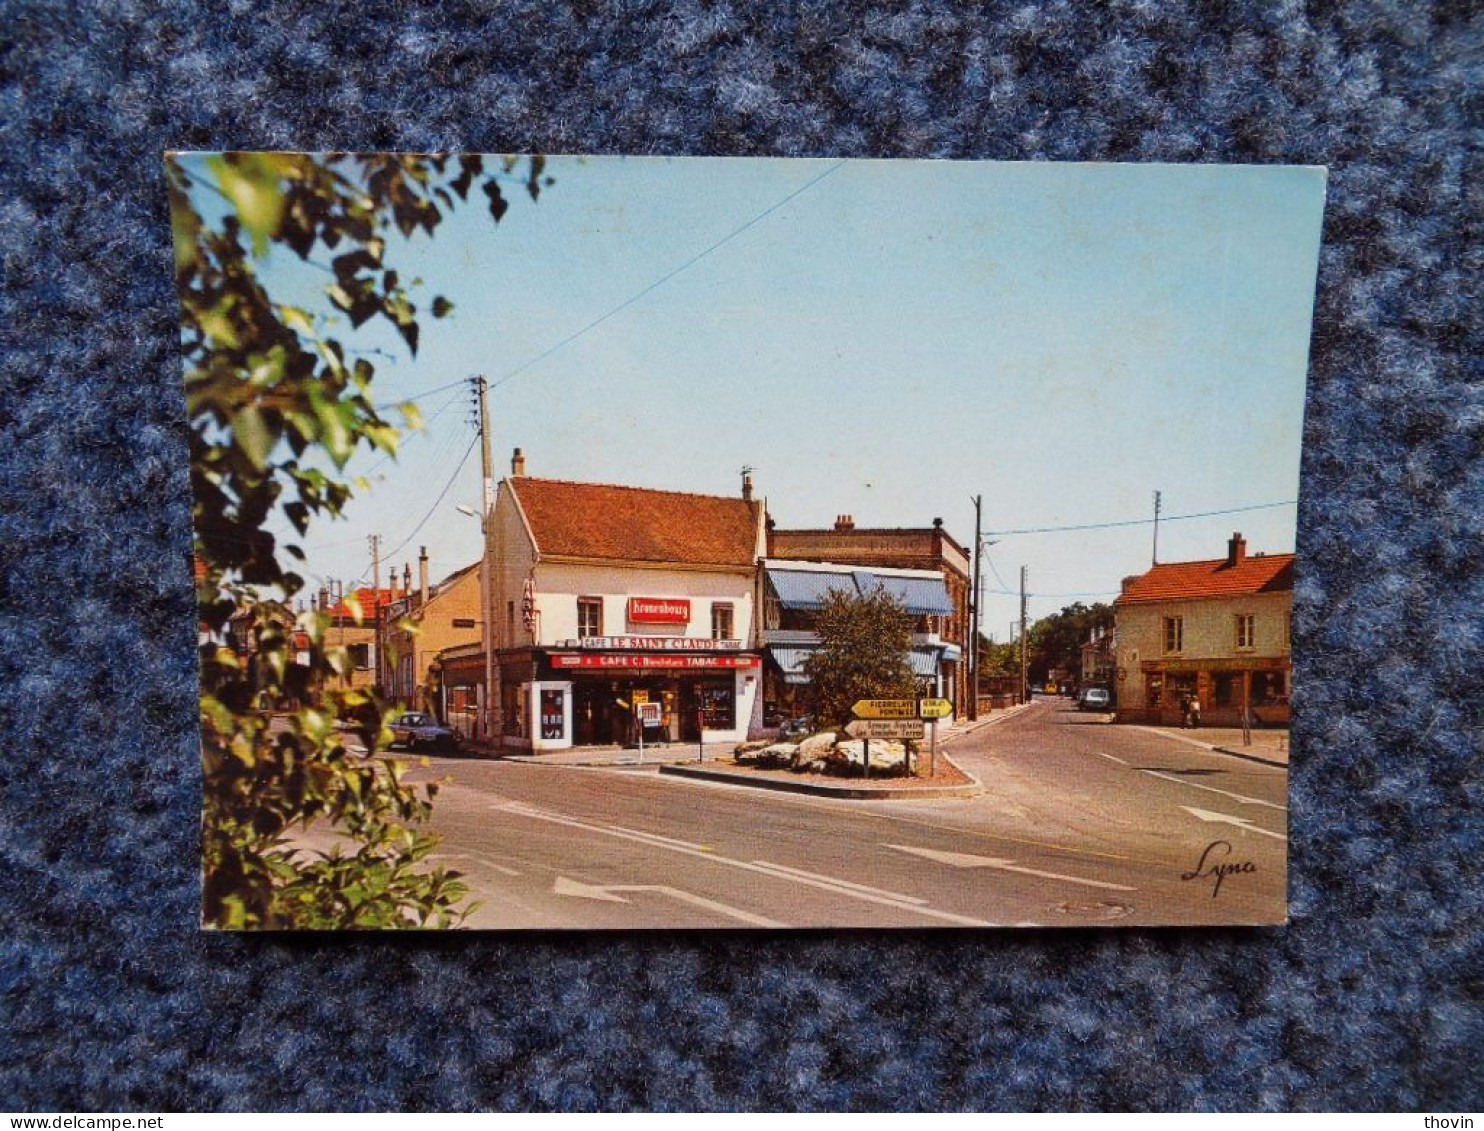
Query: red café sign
{"type": "Point", "coordinates": [650, 660]}
{"type": "Point", "coordinates": [659, 610]}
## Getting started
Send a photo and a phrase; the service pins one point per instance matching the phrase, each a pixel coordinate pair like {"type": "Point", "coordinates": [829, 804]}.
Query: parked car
{"type": "Point", "coordinates": [414, 729]}
{"type": "Point", "coordinates": [1095, 699]}
{"type": "Point", "coordinates": [801, 727]}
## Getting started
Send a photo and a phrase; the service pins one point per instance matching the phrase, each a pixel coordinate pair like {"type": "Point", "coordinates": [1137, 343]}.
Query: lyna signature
{"type": "Point", "coordinates": [1216, 865]}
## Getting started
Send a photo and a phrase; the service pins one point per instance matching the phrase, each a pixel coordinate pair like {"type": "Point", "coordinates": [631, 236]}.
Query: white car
{"type": "Point", "coordinates": [1094, 699]}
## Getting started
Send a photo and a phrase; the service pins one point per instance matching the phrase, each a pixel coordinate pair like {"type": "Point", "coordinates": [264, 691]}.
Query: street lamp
{"type": "Point", "coordinates": [486, 631]}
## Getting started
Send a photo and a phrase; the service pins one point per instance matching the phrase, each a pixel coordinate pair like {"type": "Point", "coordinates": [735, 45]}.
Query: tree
{"type": "Point", "coordinates": [864, 643]}
{"type": "Point", "coordinates": [277, 408]}
{"type": "Point", "coordinates": [1056, 641]}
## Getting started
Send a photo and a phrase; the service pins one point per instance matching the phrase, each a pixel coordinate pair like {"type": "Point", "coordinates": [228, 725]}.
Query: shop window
{"type": "Point", "coordinates": [1174, 634]}
{"type": "Point", "coordinates": [589, 616]}
{"type": "Point", "coordinates": [718, 707]}
{"type": "Point", "coordinates": [1154, 690]}
{"type": "Point", "coordinates": [1246, 630]}
{"type": "Point", "coordinates": [721, 621]}
{"type": "Point", "coordinates": [1227, 688]}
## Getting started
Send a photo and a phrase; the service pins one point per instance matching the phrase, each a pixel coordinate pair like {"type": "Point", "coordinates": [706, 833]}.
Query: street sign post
{"type": "Point", "coordinates": [885, 709]}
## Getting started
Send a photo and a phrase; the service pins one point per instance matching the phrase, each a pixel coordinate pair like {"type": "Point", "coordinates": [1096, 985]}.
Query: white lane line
{"type": "Point", "coordinates": [1212, 789]}
{"type": "Point", "coordinates": [474, 856]}
{"type": "Point", "coordinates": [607, 893]}
{"type": "Point", "coordinates": [964, 860]}
{"type": "Point", "coordinates": [691, 850]}
{"type": "Point", "coordinates": [839, 883]}
{"type": "Point", "coordinates": [1222, 818]}
{"type": "Point", "coordinates": [1197, 785]}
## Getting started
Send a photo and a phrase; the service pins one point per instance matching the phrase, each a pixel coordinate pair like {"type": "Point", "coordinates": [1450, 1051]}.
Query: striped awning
{"type": "Point", "coordinates": [805, 590]}
{"type": "Point", "coordinates": [790, 660]}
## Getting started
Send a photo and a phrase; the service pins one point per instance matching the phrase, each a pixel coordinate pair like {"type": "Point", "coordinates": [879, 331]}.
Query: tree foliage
{"type": "Point", "coordinates": [865, 640]}
{"type": "Point", "coordinates": [1056, 641]}
{"type": "Point", "coordinates": [277, 408]}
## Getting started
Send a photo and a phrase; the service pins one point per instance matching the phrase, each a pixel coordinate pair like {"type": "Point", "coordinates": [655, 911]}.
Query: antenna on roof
{"type": "Point", "coordinates": [1154, 559]}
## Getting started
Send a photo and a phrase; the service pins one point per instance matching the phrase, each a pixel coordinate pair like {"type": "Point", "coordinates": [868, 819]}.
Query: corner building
{"type": "Point", "coordinates": [1218, 631]}
{"type": "Point", "coordinates": [619, 607]}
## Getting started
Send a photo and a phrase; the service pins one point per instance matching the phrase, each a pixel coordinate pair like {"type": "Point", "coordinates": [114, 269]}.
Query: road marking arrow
{"type": "Point", "coordinates": [564, 886]}
{"type": "Point", "coordinates": [964, 860]}
{"type": "Point", "coordinates": [1241, 822]}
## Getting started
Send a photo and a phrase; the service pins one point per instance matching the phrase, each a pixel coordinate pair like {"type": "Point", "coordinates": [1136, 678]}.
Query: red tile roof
{"type": "Point", "coordinates": [1263, 573]}
{"type": "Point", "coordinates": [635, 524]}
{"type": "Point", "coordinates": [367, 598]}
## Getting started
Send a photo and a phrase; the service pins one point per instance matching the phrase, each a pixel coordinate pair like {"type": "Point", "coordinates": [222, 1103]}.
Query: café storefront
{"type": "Point", "coordinates": [602, 690]}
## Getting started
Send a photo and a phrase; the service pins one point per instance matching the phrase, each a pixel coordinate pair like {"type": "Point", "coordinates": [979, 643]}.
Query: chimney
{"type": "Point", "coordinates": [1127, 581]}
{"type": "Point", "coordinates": [406, 580]}
{"type": "Point", "coordinates": [845, 522]}
{"type": "Point", "coordinates": [422, 573]}
{"type": "Point", "coordinates": [1236, 550]}
{"type": "Point", "coordinates": [747, 487]}
{"type": "Point", "coordinates": [518, 463]}
{"type": "Point", "coordinates": [324, 598]}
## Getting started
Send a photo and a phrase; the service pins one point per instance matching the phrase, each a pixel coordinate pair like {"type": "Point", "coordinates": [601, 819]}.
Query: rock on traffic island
{"type": "Point", "coordinates": [829, 765]}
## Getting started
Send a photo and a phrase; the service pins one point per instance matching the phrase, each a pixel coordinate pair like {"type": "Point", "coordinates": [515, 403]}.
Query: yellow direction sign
{"type": "Point", "coordinates": [885, 708]}
{"type": "Point", "coordinates": [934, 708]}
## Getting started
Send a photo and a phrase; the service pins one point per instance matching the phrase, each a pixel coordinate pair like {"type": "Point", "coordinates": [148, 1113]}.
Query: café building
{"type": "Point", "coordinates": [617, 609]}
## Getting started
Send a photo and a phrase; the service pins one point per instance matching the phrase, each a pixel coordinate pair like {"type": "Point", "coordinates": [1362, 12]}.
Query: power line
{"type": "Point", "coordinates": [420, 396]}
{"type": "Point", "coordinates": [596, 322]}
{"type": "Point", "coordinates": [1138, 521]}
{"type": "Point", "coordinates": [392, 553]}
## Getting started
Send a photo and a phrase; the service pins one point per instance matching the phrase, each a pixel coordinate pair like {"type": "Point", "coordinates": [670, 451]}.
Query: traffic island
{"type": "Point", "coordinates": [948, 781]}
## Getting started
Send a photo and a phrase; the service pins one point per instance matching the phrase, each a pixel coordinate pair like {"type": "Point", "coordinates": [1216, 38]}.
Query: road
{"type": "Point", "coordinates": [1081, 823]}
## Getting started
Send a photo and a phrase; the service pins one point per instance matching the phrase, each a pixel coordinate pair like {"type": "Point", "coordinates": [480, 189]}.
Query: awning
{"type": "Point", "coordinates": [924, 597]}
{"type": "Point", "coordinates": [805, 590]}
{"type": "Point", "coordinates": [799, 589]}
{"type": "Point", "coordinates": [790, 659]}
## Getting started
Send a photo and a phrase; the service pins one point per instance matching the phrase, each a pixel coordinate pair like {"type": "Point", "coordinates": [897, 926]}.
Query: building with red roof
{"type": "Point", "coordinates": [605, 598]}
{"type": "Point", "coordinates": [1215, 632]}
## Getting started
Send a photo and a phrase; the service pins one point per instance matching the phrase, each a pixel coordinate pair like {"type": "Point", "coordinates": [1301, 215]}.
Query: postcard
{"type": "Point", "coordinates": [597, 543]}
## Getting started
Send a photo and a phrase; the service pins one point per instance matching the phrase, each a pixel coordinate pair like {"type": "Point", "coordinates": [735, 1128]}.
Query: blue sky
{"type": "Point", "coordinates": [894, 338]}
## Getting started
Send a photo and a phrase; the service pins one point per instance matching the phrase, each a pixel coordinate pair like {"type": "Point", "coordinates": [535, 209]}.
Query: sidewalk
{"type": "Point", "coordinates": [1270, 747]}
{"type": "Point", "coordinates": [611, 756]}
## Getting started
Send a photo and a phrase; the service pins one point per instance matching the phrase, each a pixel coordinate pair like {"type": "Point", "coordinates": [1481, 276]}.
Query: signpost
{"type": "Point", "coordinates": [899, 719]}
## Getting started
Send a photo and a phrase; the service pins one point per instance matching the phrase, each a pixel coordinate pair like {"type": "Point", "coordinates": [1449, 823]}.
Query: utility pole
{"type": "Point", "coordinates": [375, 541]}
{"type": "Point", "coordinates": [1155, 557]}
{"type": "Point", "coordinates": [974, 629]}
{"type": "Point", "coordinates": [485, 568]}
{"type": "Point", "coordinates": [1024, 687]}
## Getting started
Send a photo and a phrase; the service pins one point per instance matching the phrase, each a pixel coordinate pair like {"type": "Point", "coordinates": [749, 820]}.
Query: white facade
{"type": "Point", "coordinates": [686, 647]}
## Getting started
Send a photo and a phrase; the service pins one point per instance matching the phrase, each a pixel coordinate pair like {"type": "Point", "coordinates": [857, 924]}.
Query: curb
{"type": "Point", "coordinates": [839, 792]}
{"type": "Point", "coordinates": [1250, 757]}
{"type": "Point", "coordinates": [1213, 749]}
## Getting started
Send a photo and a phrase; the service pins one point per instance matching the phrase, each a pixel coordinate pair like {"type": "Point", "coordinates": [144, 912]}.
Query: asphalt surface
{"type": "Point", "coordinates": [1082, 823]}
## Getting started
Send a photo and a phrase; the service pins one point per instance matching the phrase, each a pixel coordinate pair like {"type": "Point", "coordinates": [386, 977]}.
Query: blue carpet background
{"type": "Point", "coordinates": [110, 998]}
